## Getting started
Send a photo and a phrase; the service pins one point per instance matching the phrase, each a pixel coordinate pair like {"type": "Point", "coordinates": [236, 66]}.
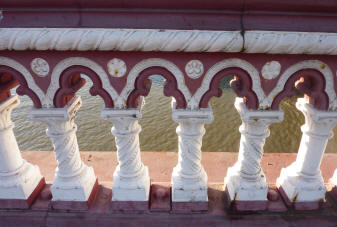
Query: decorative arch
{"type": "Point", "coordinates": [66, 81]}
{"type": "Point", "coordinates": [143, 86]}
{"type": "Point", "coordinates": [246, 83]}
{"type": "Point", "coordinates": [12, 74]}
{"type": "Point", "coordinates": [138, 83]}
{"type": "Point", "coordinates": [71, 81]}
{"type": "Point", "coordinates": [310, 82]}
{"type": "Point", "coordinates": [312, 77]}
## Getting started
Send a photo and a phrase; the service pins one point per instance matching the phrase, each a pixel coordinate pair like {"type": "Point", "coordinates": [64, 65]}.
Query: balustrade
{"type": "Point", "coordinates": [121, 77]}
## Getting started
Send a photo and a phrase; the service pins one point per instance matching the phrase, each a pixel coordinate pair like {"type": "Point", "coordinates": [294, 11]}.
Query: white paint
{"type": "Point", "coordinates": [194, 69]}
{"type": "Point", "coordinates": [25, 73]}
{"type": "Point", "coordinates": [228, 63]}
{"type": "Point", "coordinates": [131, 181]}
{"type": "Point", "coordinates": [144, 64]}
{"type": "Point", "coordinates": [271, 70]}
{"type": "Point", "coordinates": [277, 42]}
{"type": "Point", "coordinates": [308, 64]}
{"type": "Point", "coordinates": [73, 61]}
{"type": "Point", "coordinates": [116, 67]}
{"type": "Point", "coordinates": [84, 39]}
{"type": "Point", "coordinates": [73, 179]}
{"type": "Point", "coordinates": [246, 181]}
{"type": "Point", "coordinates": [40, 67]}
{"type": "Point", "coordinates": [189, 179]}
{"type": "Point", "coordinates": [18, 178]}
{"type": "Point", "coordinates": [333, 179]}
{"type": "Point", "coordinates": [302, 180]}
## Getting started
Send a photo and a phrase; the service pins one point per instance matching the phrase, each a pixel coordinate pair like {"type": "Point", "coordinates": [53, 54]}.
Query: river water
{"type": "Point", "coordinates": [158, 129]}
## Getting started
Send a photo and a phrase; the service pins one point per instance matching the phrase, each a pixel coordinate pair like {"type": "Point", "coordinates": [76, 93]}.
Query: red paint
{"type": "Point", "coordinates": [71, 82]}
{"type": "Point", "coordinates": [21, 203]}
{"type": "Point", "coordinates": [241, 84]}
{"type": "Point", "coordinates": [189, 207]}
{"type": "Point", "coordinates": [286, 15]}
{"type": "Point", "coordinates": [310, 205]}
{"type": "Point", "coordinates": [179, 59]}
{"type": "Point", "coordinates": [133, 206]}
{"type": "Point", "coordinates": [76, 205]}
{"type": "Point", "coordinates": [160, 200]}
{"type": "Point", "coordinates": [311, 83]}
{"type": "Point", "coordinates": [143, 86]}
{"type": "Point", "coordinates": [10, 78]}
{"type": "Point", "coordinates": [243, 206]}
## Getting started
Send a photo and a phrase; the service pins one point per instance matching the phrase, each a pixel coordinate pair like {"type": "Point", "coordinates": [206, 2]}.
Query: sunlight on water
{"type": "Point", "coordinates": [158, 129]}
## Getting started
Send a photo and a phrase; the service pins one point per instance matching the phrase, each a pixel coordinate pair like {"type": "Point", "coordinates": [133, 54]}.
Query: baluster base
{"type": "Point", "coordinates": [75, 192]}
{"type": "Point", "coordinates": [18, 189]}
{"type": "Point", "coordinates": [131, 189]}
{"type": "Point", "coordinates": [244, 193]}
{"type": "Point", "coordinates": [299, 191]}
{"type": "Point", "coordinates": [189, 189]}
{"type": "Point", "coordinates": [189, 194]}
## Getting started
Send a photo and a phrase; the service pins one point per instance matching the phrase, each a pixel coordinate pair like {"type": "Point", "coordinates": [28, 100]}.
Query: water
{"type": "Point", "coordinates": [158, 129]}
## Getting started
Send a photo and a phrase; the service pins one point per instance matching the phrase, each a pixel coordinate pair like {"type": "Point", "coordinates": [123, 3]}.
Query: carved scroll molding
{"type": "Point", "coordinates": [233, 62]}
{"type": "Point", "coordinates": [273, 42]}
{"type": "Point", "coordinates": [119, 39]}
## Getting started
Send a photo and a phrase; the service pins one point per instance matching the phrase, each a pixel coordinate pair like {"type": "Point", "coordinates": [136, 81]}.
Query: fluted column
{"type": "Point", "coordinates": [245, 181]}
{"type": "Point", "coordinates": [18, 178]}
{"type": "Point", "coordinates": [302, 180]}
{"type": "Point", "coordinates": [189, 179]}
{"type": "Point", "coordinates": [73, 181]}
{"type": "Point", "coordinates": [131, 181]}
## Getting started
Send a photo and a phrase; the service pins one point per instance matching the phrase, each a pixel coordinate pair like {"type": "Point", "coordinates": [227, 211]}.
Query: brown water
{"type": "Point", "coordinates": [158, 129]}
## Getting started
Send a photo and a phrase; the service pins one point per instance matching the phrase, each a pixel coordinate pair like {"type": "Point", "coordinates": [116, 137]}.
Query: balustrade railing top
{"type": "Point", "coordinates": [46, 56]}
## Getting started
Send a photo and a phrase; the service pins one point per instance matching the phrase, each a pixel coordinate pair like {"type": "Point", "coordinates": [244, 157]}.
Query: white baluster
{"type": "Point", "coordinates": [73, 181]}
{"type": "Point", "coordinates": [245, 181]}
{"type": "Point", "coordinates": [189, 179]}
{"type": "Point", "coordinates": [131, 181]}
{"type": "Point", "coordinates": [18, 178]}
{"type": "Point", "coordinates": [302, 180]}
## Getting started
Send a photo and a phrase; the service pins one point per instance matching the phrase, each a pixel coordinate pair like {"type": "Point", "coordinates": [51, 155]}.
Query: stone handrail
{"type": "Point", "coordinates": [46, 63]}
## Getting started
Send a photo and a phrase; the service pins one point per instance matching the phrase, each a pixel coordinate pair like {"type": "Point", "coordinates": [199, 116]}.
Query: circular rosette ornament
{"type": "Point", "coordinates": [194, 69]}
{"type": "Point", "coordinates": [271, 70]}
{"type": "Point", "coordinates": [40, 67]}
{"type": "Point", "coordinates": [116, 67]}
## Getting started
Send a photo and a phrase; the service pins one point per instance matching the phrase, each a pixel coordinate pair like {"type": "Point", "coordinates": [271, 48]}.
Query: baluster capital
{"type": "Point", "coordinates": [202, 115]}
{"type": "Point", "coordinates": [6, 109]}
{"type": "Point", "coordinates": [317, 122]}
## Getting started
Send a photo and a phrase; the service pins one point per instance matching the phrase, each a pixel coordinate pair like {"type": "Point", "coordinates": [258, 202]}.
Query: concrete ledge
{"type": "Point", "coordinates": [159, 211]}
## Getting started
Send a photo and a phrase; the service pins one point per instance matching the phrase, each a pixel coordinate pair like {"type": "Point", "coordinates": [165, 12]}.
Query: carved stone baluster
{"type": "Point", "coordinates": [75, 184]}
{"type": "Point", "coordinates": [131, 181]}
{"type": "Point", "coordinates": [301, 183]}
{"type": "Point", "coordinates": [20, 181]}
{"type": "Point", "coordinates": [189, 179]}
{"type": "Point", "coordinates": [245, 181]}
